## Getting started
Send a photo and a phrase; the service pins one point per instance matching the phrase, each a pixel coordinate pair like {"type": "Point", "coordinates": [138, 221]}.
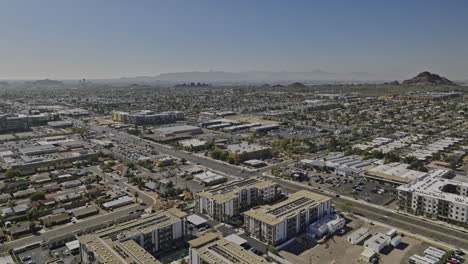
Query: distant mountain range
{"type": "Point", "coordinates": [250, 76]}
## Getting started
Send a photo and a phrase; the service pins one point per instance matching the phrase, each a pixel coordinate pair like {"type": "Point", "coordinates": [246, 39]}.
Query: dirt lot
{"type": "Point", "coordinates": [337, 250]}
{"type": "Point", "coordinates": [252, 119]}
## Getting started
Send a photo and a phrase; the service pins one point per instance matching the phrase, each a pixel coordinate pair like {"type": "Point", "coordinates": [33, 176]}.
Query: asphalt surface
{"type": "Point", "coordinates": [438, 233]}
{"type": "Point", "coordinates": [81, 225]}
{"type": "Point", "coordinates": [414, 225]}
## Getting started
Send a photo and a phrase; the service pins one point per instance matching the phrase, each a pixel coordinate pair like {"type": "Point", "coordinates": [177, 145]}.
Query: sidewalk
{"type": "Point", "coordinates": [373, 205]}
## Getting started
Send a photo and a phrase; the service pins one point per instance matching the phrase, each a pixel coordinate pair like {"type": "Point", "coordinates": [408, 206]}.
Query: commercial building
{"type": "Point", "coordinates": [223, 202]}
{"type": "Point", "coordinates": [215, 122]}
{"type": "Point", "coordinates": [178, 130]}
{"type": "Point", "coordinates": [264, 128]}
{"type": "Point", "coordinates": [136, 241]}
{"type": "Point", "coordinates": [377, 242]}
{"type": "Point", "coordinates": [146, 117]}
{"type": "Point", "coordinates": [60, 124]}
{"type": "Point", "coordinates": [193, 144]}
{"type": "Point", "coordinates": [358, 236]}
{"type": "Point", "coordinates": [394, 173]}
{"type": "Point", "coordinates": [434, 195]}
{"type": "Point", "coordinates": [278, 223]}
{"type": "Point", "coordinates": [327, 225]}
{"type": "Point", "coordinates": [20, 122]}
{"type": "Point", "coordinates": [209, 178]}
{"type": "Point", "coordinates": [245, 151]}
{"type": "Point", "coordinates": [349, 166]}
{"type": "Point", "coordinates": [213, 249]}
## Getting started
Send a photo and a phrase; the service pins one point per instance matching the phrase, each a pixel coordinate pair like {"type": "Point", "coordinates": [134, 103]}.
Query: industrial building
{"type": "Point", "coordinates": [434, 195]}
{"type": "Point", "coordinates": [223, 202]}
{"type": "Point", "coordinates": [135, 241]}
{"type": "Point", "coordinates": [278, 223]}
{"type": "Point", "coordinates": [212, 249]}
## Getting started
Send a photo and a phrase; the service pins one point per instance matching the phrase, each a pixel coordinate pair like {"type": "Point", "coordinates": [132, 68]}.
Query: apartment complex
{"type": "Point", "coordinates": [274, 224]}
{"type": "Point", "coordinates": [213, 249]}
{"type": "Point", "coordinates": [436, 196]}
{"type": "Point", "coordinates": [228, 200]}
{"type": "Point", "coordinates": [147, 117]}
{"type": "Point", "coordinates": [136, 241]}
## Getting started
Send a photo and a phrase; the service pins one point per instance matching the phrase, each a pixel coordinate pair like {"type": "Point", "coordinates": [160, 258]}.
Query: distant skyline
{"type": "Point", "coordinates": [103, 39]}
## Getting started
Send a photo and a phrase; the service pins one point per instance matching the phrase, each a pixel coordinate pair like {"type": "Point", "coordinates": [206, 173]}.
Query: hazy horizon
{"type": "Point", "coordinates": [112, 39]}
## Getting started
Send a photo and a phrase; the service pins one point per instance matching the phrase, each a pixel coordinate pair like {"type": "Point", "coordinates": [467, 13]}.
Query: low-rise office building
{"type": "Point", "coordinates": [434, 195]}
{"type": "Point", "coordinates": [278, 223]}
{"type": "Point", "coordinates": [212, 249]}
{"type": "Point", "coordinates": [223, 202]}
{"type": "Point", "coordinates": [136, 241]}
{"type": "Point", "coordinates": [245, 151]}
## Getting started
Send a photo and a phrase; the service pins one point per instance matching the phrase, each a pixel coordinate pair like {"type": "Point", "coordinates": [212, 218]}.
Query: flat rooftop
{"type": "Point", "coordinates": [228, 190]}
{"type": "Point", "coordinates": [275, 214]}
{"type": "Point", "coordinates": [214, 249]}
{"type": "Point", "coordinates": [432, 186]}
{"type": "Point", "coordinates": [245, 148]}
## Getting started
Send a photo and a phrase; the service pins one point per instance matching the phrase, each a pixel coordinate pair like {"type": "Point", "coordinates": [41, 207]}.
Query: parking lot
{"type": "Point", "coordinates": [40, 255]}
{"type": "Point", "coordinates": [361, 188]}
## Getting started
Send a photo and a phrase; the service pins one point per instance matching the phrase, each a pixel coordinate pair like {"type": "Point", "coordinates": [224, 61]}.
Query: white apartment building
{"type": "Point", "coordinates": [223, 202]}
{"type": "Point", "coordinates": [274, 224]}
{"type": "Point", "coordinates": [436, 196]}
{"type": "Point", "coordinates": [211, 248]}
{"type": "Point", "coordinates": [135, 241]}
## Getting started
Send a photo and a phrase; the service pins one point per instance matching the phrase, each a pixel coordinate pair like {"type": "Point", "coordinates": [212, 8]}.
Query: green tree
{"type": "Point", "coordinates": [136, 194]}
{"type": "Point", "coordinates": [37, 196]}
{"type": "Point", "coordinates": [12, 173]}
{"type": "Point", "coordinates": [347, 207]}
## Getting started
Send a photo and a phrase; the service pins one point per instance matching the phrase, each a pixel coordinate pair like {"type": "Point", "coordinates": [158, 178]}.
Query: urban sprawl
{"type": "Point", "coordinates": [207, 174]}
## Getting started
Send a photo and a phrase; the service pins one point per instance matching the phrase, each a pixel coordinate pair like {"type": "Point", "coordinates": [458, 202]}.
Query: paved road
{"type": "Point", "coordinates": [146, 200]}
{"type": "Point", "coordinates": [415, 225]}
{"type": "Point", "coordinates": [412, 224]}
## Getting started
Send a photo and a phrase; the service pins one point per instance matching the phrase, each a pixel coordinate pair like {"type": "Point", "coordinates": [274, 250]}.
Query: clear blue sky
{"type": "Point", "coordinates": [113, 38]}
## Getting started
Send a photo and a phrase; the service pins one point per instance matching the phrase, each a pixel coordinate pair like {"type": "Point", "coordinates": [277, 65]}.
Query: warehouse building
{"type": "Point", "coordinates": [278, 223]}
